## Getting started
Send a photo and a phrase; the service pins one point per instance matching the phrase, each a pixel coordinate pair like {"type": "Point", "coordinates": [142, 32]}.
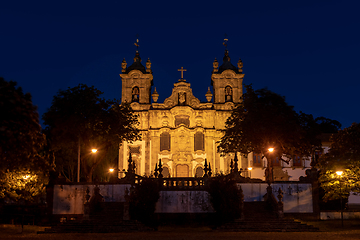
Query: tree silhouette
{"type": "Point", "coordinates": [80, 118]}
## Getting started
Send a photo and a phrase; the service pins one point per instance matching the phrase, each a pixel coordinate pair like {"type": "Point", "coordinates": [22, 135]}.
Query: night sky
{"type": "Point", "coordinates": [307, 51]}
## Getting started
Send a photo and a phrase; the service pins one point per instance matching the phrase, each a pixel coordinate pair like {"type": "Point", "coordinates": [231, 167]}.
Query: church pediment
{"type": "Point", "coordinates": [182, 96]}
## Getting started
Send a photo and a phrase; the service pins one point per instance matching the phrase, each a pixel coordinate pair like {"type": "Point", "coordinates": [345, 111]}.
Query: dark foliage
{"type": "Point", "coordinates": [225, 198]}
{"type": "Point", "coordinates": [79, 117]}
{"type": "Point", "coordinates": [143, 199]}
{"type": "Point", "coordinates": [24, 163]}
{"type": "Point", "coordinates": [343, 155]}
{"type": "Point", "coordinates": [262, 120]}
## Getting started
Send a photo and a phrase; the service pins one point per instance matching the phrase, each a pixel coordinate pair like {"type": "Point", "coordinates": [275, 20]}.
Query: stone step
{"type": "Point", "coordinates": [259, 218]}
{"type": "Point", "coordinates": [286, 225]}
{"type": "Point", "coordinates": [96, 227]}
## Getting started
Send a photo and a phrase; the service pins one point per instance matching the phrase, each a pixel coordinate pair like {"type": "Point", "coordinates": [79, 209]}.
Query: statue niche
{"type": "Point", "coordinates": [182, 98]}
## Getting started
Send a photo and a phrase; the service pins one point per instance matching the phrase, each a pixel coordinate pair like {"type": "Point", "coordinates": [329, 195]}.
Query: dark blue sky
{"type": "Point", "coordinates": [307, 51]}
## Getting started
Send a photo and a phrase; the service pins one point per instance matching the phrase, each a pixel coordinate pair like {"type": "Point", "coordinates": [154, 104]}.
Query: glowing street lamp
{"type": "Point", "coordinates": [339, 173]}
{"type": "Point", "coordinates": [111, 170]}
{"type": "Point", "coordinates": [249, 169]}
{"type": "Point", "coordinates": [269, 174]}
{"type": "Point", "coordinates": [94, 150]}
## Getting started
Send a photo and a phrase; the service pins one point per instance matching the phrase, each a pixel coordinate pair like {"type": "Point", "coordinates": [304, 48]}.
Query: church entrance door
{"type": "Point", "coordinates": [182, 170]}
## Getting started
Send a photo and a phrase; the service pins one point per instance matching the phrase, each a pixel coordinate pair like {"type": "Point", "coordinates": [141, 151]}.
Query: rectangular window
{"type": "Point", "coordinates": [297, 161]}
{"type": "Point", "coordinates": [199, 141]}
{"type": "Point", "coordinates": [165, 141]}
{"type": "Point", "coordinates": [276, 161]}
{"type": "Point", "coordinates": [257, 160]}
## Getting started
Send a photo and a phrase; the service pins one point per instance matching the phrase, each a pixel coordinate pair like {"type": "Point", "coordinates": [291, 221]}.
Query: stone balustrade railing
{"type": "Point", "coordinates": [179, 183]}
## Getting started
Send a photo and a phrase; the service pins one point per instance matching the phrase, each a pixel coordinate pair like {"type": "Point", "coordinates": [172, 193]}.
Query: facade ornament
{"type": "Point", "coordinates": [160, 169]}
{"type": "Point", "coordinates": [156, 171]}
{"type": "Point", "coordinates": [210, 172]}
{"type": "Point", "coordinates": [148, 66]}
{"type": "Point", "coordinates": [215, 66]}
{"type": "Point", "coordinates": [240, 65]}
{"type": "Point", "coordinates": [236, 169]}
{"type": "Point", "coordinates": [208, 95]}
{"type": "Point", "coordinates": [155, 96]}
{"type": "Point", "coordinates": [123, 65]}
{"type": "Point", "coordinates": [206, 169]}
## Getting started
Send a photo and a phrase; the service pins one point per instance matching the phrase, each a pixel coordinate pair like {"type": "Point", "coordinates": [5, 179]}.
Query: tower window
{"type": "Point", "coordinates": [135, 94]}
{"type": "Point", "coordinates": [228, 94]}
{"type": "Point", "coordinates": [199, 141]}
{"type": "Point", "coordinates": [165, 141]}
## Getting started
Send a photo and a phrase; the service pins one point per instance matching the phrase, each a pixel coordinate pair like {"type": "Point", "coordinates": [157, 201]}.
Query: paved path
{"type": "Point", "coordinates": [186, 234]}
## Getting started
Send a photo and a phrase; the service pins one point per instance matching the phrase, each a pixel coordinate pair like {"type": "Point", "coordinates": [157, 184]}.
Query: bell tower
{"type": "Point", "coordinates": [227, 80]}
{"type": "Point", "coordinates": [136, 80]}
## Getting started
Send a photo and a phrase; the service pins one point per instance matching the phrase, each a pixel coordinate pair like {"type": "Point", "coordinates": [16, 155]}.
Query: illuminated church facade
{"type": "Point", "coordinates": [182, 131]}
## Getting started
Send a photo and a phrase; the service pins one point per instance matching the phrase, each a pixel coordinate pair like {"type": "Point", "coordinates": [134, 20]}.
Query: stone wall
{"type": "Point", "coordinates": [297, 197]}
{"type": "Point", "coordinates": [70, 199]}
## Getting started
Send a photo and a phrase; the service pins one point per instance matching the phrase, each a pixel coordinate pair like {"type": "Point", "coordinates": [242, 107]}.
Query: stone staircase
{"type": "Point", "coordinates": [258, 218]}
{"type": "Point", "coordinates": [108, 219]}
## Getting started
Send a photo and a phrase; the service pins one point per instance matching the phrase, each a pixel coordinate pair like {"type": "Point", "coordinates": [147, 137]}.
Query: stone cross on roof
{"type": "Point", "coordinates": [182, 70]}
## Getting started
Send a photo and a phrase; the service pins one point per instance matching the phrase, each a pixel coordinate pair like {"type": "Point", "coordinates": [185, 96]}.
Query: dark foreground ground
{"type": "Point", "coordinates": [329, 230]}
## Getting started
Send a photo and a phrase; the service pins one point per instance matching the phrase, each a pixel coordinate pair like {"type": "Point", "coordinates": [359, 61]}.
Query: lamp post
{"type": "Point", "coordinates": [269, 167]}
{"type": "Point", "coordinates": [249, 169]}
{"type": "Point", "coordinates": [111, 171]}
{"type": "Point", "coordinates": [94, 150]}
{"type": "Point", "coordinates": [339, 173]}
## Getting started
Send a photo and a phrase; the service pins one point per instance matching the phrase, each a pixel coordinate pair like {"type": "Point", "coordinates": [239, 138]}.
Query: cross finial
{"type": "Point", "coordinates": [137, 42]}
{"type": "Point", "coordinates": [182, 70]}
{"type": "Point", "coordinates": [225, 41]}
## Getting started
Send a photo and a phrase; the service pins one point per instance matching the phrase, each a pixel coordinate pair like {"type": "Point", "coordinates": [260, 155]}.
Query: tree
{"type": "Point", "coordinates": [327, 125]}
{"type": "Point", "coordinates": [80, 119]}
{"type": "Point", "coordinates": [262, 120]}
{"type": "Point", "coordinates": [21, 146]}
{"type": "Point", "coordinates": [225, 198]}
{"type": "Point", "coordinates": [344, 155]}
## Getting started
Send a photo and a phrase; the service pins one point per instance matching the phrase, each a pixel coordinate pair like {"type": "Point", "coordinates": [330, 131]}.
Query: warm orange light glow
{"type": "Point", "coordinates": [26, 177]}
{"type": "Point", "coordinates": [249, 168]}
{"type": "Point", "coordinates": [339, 173]}
{"type": "Point", "coordinates": [271, 149]}
{"type": "Point", "coordinates": [111, 170]}
{"type": "Point", "coordinates": [94, 150]}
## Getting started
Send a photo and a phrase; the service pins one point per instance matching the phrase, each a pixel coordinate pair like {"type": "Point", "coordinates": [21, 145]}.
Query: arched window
{"type": "Point", "coordinates": [228, 94]}
{"type": "Point", "coordinates": [199, 172]}
{"type": "Point", "coordinates": [135, 94]}
{"type": "Point", "coordinates": [165, 141]}
{"type": "Point", "coordinates": [199, 141]}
